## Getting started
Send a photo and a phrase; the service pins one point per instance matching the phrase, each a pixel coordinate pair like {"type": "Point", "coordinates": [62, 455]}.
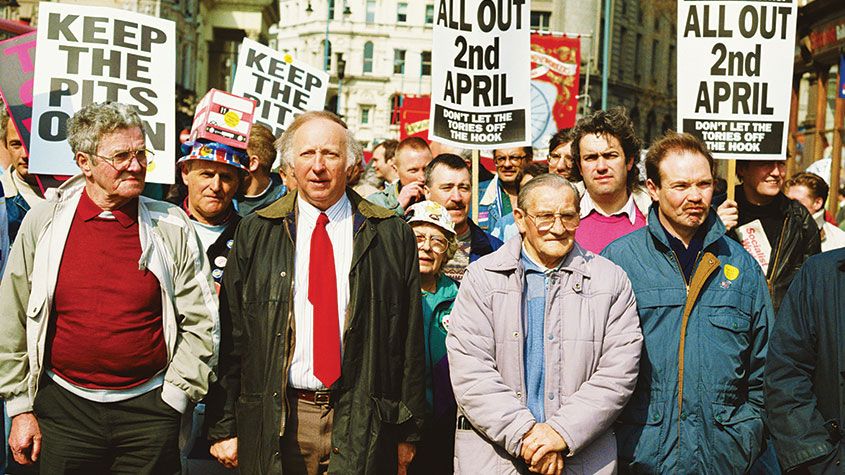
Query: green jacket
{"type": "Point", "coordinates": [388, 198]}
{"type": "Point", "coordinates": [381, 392]}
{"type": "Point", "coordinates": [170, 249]}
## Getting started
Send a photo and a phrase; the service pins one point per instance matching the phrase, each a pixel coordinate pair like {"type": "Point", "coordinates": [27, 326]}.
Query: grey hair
{"type": "Point", "coordinates": [354, 150]}
{"type": "Point", "coordinates": [551, 180]}
{"type": "Point", "coordinates": [92, 122]}
{"type": "Point", "coordinates": [4, 122]}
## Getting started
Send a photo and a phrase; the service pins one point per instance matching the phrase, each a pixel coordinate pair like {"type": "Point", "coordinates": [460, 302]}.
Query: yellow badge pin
{"type": "Point", "coordinates": [731, 272]}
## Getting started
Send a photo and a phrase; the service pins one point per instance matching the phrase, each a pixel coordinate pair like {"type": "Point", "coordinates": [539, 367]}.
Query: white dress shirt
{"type": "Point", "coordinates": [339, 228]}
{"type": "Point", "coordinates": [630, 208]}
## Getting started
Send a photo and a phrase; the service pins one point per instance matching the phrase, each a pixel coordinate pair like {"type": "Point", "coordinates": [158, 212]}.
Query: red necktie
{"type": "Point", "coordinates": [322, 293]}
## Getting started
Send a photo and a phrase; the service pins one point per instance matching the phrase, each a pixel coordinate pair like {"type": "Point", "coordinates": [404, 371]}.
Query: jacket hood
{"type": "Point", "coordinates": [508, 258]}
{"type": "Point", "coordinates": [286, 205]}
{"type": "Point", "coordinates": [713, 225]}
{"type": "Point", "coordinates": [66, 189]}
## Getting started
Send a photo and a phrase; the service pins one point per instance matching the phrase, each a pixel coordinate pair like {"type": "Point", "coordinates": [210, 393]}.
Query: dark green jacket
{"type": "Point", "coordinates": [805, 393]}
{"type": "Point", "coordinates": [381, 392]}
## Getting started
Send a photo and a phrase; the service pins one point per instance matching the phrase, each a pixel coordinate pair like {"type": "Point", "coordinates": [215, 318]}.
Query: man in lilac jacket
{"type": "Point", "coordinates": [543, 347]}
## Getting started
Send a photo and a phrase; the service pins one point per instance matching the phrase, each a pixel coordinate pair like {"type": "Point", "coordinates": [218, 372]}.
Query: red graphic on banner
{"type": "Point", "coordinates": [555, 66]}
{"type": "Point", "coordinates": [413, 117]}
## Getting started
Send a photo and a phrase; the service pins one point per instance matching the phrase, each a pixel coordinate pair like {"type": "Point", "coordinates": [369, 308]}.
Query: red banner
{"type": "Point", "coordinates": [555, 69]}
{"type": "Point", "coordinates": [413, 117]}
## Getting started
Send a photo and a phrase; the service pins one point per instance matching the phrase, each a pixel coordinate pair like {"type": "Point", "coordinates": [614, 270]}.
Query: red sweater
{"type": "Point", "coordinates": [107, 328]}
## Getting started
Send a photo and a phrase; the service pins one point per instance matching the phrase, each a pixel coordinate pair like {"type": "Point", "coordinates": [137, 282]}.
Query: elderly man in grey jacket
{"type": "Point", "coordinates": [543, 347]}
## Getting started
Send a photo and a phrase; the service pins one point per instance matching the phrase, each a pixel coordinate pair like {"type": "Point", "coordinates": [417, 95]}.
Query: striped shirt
{"type": "Point", "coordinates": [339, 228]}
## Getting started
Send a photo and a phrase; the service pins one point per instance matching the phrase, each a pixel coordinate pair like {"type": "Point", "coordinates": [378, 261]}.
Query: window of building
{"type": "Point", "coordinates": [394, 106]}
{"type": "Point", "coordinates": [331, 9]}
{"type": "Point", "coordinates": [368, 57]}
{"type": "Point", "coordinates": [365, 115]}
{"type": "Point", "coordinates": [623, 41]}
{"type": "Point", "coordinates": [653, 60]}
{"type": "Point", "coordinates": [429, 14]}
{"type": "Point", "coordinates": [401, 12]}
{"type": "Point", "coordinates": [638, 51]}
{"type": "Point", "coordinates": [399, 61]}
{"type": "Point", "coordinates": [540, 20]}
{"type": "Point", "coordinates": [425, 63]}
{"type": "Point", "coordinates": [371, 11]}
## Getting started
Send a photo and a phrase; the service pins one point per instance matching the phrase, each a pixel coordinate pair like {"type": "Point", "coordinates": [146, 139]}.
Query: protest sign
{"type": "Point", "coordinates": [17, 61]}
{"type": "Point", "coordinates": [481, 92]}
{"type": "Point", "coordinates": [96, 54]}
{"type": "Point", "coordinates": [555, 69]}
{"type": "Point", "coordinates": [413, 117]}
{"type": "Point", "coordinates": [735, 75]}
{"type": "Point", "coordinates": [282, 86]}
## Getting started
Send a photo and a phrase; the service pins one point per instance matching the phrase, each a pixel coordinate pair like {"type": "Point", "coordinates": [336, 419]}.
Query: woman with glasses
{"type": "Point", "coordinates": [436, 244]}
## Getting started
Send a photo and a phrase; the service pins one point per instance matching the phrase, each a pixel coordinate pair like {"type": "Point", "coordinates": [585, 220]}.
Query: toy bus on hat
{"type": "Point", "coordinates": [224, 118]}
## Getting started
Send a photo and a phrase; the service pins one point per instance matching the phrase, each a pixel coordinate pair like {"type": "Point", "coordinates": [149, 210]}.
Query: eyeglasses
{"type": "Point", "coordinates": [121, 160]}
{"type": "Point", "coordinates": [436, 244]}
{"type": "Point", "coordinates": [500, 160]}
{"type": "Point", "coordinates": [546, 221]}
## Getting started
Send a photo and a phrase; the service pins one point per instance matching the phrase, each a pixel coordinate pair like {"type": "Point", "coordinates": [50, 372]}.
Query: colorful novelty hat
{"type": "Point", "coordinates": [214, 152]}
{"type": "Point", "coordinates": [432, 213]}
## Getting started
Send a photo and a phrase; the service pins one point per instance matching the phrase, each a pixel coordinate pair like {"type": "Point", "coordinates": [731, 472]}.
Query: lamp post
{"type": "Point", "coordinates": [341, 73]}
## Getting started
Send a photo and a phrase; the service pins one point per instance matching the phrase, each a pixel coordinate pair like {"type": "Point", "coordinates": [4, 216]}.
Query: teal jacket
{"type": "Point", "coordinates": [698, 404]}
{"type": "Point", "coordinates": [437, 308]}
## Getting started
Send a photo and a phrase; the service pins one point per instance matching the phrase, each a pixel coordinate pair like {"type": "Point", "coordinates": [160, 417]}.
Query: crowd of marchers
{"type": "Point", "coordinates": [599, 316]}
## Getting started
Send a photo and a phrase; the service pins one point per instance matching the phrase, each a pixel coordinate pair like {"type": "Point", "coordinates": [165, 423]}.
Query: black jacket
{"type": "Point", "coordinates": [799, 239]}
{"type": "Point", "coordinates": [381, 392]}
{"type": "Point", "coordinates": [804, 389]}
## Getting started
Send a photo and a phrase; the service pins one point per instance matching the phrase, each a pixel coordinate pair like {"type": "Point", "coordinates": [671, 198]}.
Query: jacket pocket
{"type": "Point", "coordinates": [475, 454]}
{"type": "Point", "coordinates": [391, 411]}
{"type": "Point", "coordinates": [738, 435]}
{"type": "Point", "coordinates": [639, 435]}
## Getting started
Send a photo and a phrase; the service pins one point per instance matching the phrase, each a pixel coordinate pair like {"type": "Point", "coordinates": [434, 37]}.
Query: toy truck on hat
{"type": "Point", "coordinates": [224, 118]}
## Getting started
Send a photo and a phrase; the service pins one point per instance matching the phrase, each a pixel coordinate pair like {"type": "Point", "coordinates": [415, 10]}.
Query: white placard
{"type": "Point", "coordinates": [735, 63]}
{"type": "Point", "coordinates": [481, 90]}
{"type": "Point", "coordinates": [94, 54]}
{"type": "Point", "coordinates": [283, 87]}
{"type": "Point", "coordinates": [753, 238]}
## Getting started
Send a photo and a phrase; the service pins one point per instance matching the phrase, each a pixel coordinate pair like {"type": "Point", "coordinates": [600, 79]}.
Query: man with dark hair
{"type": "Point", "coordinates": [20, 188]}
{"type": "Point", "coordinates": [705, 312]}
{"type": "Point", "coordinates": [605, 151]}
{"type": "Point", "coordinates": [412, 155]}
{"type": "Point", "coordinates": [811, 191]}
{"type": "Point", "coordinates": [322, 362]}
{"type": "Point", "coordinates": [382, 161]}
{"type": "Point", "coordinates": [497, 197]}
{"type": "Point", "coordinates": [448, 183]}
{"type": "Point", "coordinates": [560, 154]}
{"type": "Point", "coordinates": [775, 221]}
{"type": "Point", "coordinates": [260, 186]}
{"type": "Point", "coordinates": [108, 312]}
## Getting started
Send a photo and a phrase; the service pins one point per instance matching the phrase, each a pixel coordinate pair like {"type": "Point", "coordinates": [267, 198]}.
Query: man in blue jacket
{"type": "Point", "coordinates": [806, 360]}
{"type": "Point", "coordinates": [705, 313]}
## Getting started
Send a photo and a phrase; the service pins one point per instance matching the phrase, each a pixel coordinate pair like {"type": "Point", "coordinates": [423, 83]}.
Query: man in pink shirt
{"type": "Point", "coordinates": [605, 150]}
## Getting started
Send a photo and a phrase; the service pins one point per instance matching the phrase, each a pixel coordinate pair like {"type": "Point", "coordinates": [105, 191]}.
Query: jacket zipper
{"type": "Point", "coordinates": [770, 280]}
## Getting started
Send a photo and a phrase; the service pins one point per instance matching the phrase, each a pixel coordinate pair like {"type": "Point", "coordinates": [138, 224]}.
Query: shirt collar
{"type": "Point", "coordinates": [336, 212]}
{"type": "Point", "coordinates": [629, 209]}
{"type": "Point", "coordinates": [126, 215]}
